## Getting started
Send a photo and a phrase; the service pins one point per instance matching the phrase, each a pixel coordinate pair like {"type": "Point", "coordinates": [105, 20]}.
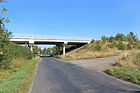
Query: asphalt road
{"type": "Point", "coordinates": [56, 76]}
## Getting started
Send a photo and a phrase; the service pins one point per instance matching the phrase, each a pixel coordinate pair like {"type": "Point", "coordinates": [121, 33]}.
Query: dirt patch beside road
{"type": "Point", "coordinates": [98, 64]}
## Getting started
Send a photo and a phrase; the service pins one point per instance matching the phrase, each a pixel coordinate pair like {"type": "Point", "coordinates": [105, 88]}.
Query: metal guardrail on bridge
{"type": "Point", "coordinates": [47, 37]}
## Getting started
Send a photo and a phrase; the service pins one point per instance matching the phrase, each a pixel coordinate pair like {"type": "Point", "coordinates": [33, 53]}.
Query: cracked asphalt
{"type": "Point", "coordinates": [56, 76]}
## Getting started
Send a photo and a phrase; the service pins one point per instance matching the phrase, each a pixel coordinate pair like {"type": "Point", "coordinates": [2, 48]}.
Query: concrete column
{"type": "Point", "coordinates": [31, 44]}
{"type": "Point", "coordinates": [64, 48]}
{"type": "Point", "coordinates": [31, 48]}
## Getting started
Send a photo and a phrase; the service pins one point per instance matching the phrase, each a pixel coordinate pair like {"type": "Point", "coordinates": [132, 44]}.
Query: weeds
{"type": "Point", "coordinates": [127, 68]}
{"type": "Point", "coordinates": [20, 81]}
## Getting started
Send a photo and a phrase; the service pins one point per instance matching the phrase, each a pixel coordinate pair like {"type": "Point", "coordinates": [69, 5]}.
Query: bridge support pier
{"type": "Point", "coordinates": [31, 44]}
{"type": "Point", "coordinates": [64, 48]}
{"type": "Point", "coordinates": [31, 47]}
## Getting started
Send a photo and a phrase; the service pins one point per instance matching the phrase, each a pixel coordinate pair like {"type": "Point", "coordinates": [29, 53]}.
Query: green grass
{"type": "Point", "coordinates": [125, 74]}
{"type": "Point", "coordinates": [20, 81]}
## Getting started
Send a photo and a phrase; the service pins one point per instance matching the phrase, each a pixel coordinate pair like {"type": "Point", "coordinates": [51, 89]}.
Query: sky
{"type": "Point", "coordinates": [75, 18]}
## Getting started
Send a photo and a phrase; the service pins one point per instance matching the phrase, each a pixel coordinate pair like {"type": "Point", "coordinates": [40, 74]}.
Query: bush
{"type": "Point", "coordinates": [124, 73]}
{"type": "Point", "coordinates": [98, 42]}
{"type": "Point", "coordinates": [11, 51]}
{"type": "Point", "coordinates": [129, 47]}
{"type": "Point", "coordinates": [112, 45]}
{"type": "Point", "coordinates": [92, 41]}
{"type": "Point", "coordinates": [122, 46]}
{"type": "Point", "coordinates": [104, 39]}
{"type": "Point", "coordinates": [135, 46]}
{"type": "Point", "coordinates": [98, 47]}
{"type": "Point", "coordinates": [138, 45]}
{"type": "Point", "coordinates": [25, 52]}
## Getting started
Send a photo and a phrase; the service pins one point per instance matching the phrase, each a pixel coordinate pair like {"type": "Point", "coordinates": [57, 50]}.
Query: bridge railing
{"type": "Point", "coordinates": [47, 37]}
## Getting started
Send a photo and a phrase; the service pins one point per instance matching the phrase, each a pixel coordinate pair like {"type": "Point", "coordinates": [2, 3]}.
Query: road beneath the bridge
{"type": "Point", "coordinates": [56, 76]}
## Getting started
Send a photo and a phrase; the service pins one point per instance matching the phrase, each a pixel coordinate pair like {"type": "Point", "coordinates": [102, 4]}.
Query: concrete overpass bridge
{"type": "Point", "coordinates": [59, 41]}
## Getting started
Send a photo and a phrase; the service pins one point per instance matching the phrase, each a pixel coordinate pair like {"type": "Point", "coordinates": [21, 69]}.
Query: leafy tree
{"type": "Point", "coordinates": [44, 51]}
{"type": "Point", "coordinates": [9, 50]}
{"type": "Point", "coordinates": [111, 39]}
{"type": "Point", "coordinates": [104, 39]}
{"type": "Point", "coordinates": [131, 38]}
{"type": "Point", "coordinates": [4, 38]}
{"type": "Point", "coordinates": [40, 51]}
{"type": "Point", "coordinates": [120, 37]}
{"type": "Point", "coordinates": [35, 51]}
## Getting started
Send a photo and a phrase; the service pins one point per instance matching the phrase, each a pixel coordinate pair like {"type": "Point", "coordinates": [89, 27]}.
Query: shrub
{"type": "Point", "coordinates": [124, 73]}
{"type": "Point", "coordinates": [111, 39]}
{"type": "Point", "coordinates": [11, 51]}
{"type": "Point", "coordinates": [138, 45]}
{"type": "Point", "coordinates": [112, 45]}
{"type": "Point", "coordinates": [122, 46]}
{"type": "Point", "coordinates": [92, 41]}
{"type": "Point", "coordinates": [25, 52]}
{"type": "Point", "coordinates": [104, 39]}
{"type": "Point", "coordinates": [98, 42]}
{"type": "Point", "coordinates": [36, 51]}
{"type": "Point", "coordinates": [109, 45]}
{"type": "Point", "coordinates": [129, 47]}
{"type": "Point", "coordinates": [135, 46]}
{"type": "Point", "coordinates": [98, 47]}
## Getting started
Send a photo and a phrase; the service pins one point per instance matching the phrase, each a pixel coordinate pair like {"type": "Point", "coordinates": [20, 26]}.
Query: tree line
{"type": "Point", "coordinates": [121, 41]}
{"type": "Point", "coordinates": [10, 50]}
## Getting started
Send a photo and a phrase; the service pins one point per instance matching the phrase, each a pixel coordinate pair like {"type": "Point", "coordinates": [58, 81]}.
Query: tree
{"type": "Point", "coordinates": [10, 50]}
{"type": "Point", "coordinates": [104, 39]}
{"type": "Point", "coordinates": [35, 51]}
{"type": "Point", "coordinates": [45, 51]}
{"type": "Point", "coordinates": [4, 38]}
{"type": "Point", "coordinates": [131, 38]}
{"type": "Point", "coordinates": [120, 37]}
{"type": "Point", "coordinates": [111, 39]}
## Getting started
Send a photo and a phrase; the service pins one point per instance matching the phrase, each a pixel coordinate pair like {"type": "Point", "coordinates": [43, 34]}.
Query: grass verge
{"type": "Point", "coordinates": [127, 68]}
{"type": "Point", "coordinates": [125, 74]}
{"type": "Point", "coordinates": [20, 81]}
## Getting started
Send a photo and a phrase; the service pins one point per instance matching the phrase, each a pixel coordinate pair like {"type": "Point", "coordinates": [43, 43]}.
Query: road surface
{"type": "Point", "coordinates": [56, 76]}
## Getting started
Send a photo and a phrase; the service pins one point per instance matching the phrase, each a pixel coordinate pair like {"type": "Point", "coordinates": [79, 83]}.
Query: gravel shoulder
{"type": "Point", "coordinates": [98, 64]}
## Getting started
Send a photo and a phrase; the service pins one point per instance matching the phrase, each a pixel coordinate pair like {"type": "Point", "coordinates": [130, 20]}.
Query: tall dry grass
{"type": "Point", "coordinates": [16, 64]}
{"type": "Point", "coordinates": [127, 68]}
{"type": "Point", "coordinates": [129, 59]}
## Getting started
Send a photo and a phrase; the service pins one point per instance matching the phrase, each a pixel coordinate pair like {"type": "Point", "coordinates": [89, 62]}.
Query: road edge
{"type": "Point", "coordinates": [30, 90]}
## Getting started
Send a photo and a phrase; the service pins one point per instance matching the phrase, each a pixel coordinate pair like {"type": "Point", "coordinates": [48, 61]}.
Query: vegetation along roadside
{"type": "Point", "coordinates": [127, 68]}
{"type": "Point", "coordinates": [17, 63]}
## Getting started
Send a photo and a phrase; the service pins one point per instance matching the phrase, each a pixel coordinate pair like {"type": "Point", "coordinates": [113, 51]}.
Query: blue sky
{"type": "Point", "coordinates": [77, 18]}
